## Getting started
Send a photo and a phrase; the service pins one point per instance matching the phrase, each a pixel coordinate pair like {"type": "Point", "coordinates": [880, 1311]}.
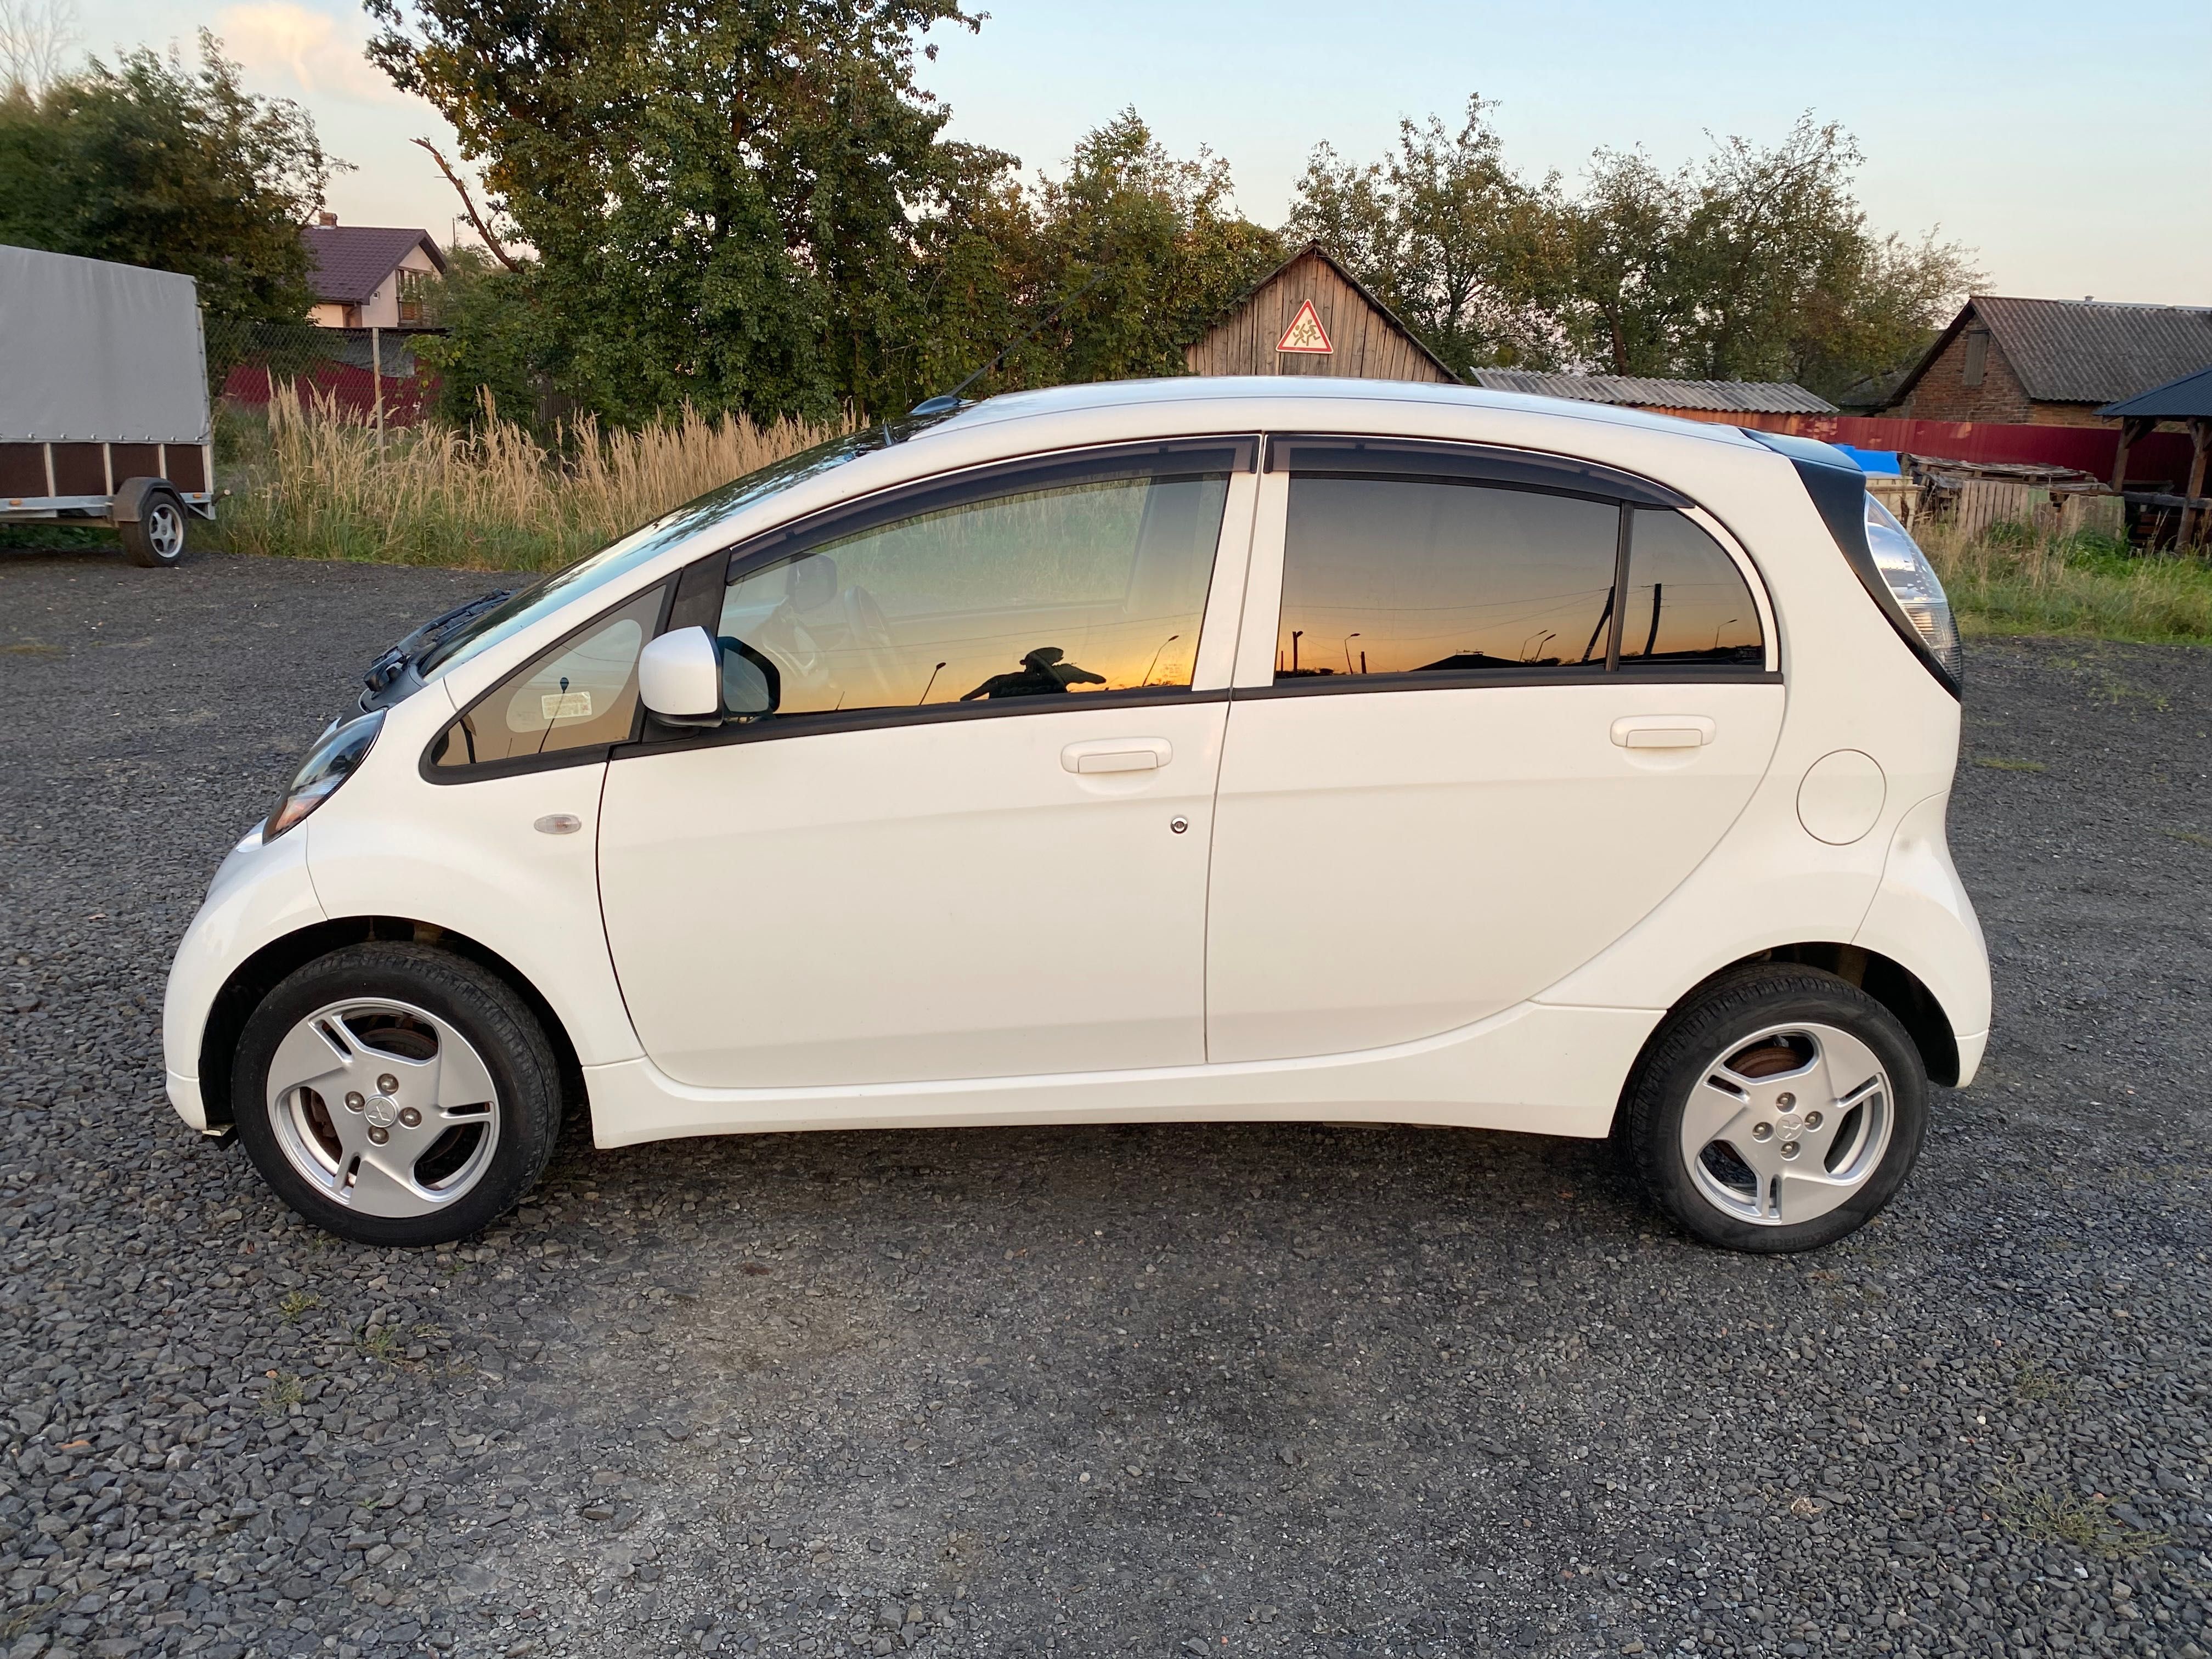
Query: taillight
{"type": "Point", "coordinates": [1913, 583]}
{"type": "Point", "coordinates": [1888, 563]}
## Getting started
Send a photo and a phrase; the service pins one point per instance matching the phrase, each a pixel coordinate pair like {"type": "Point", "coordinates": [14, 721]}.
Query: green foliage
{"type": "Point", "coordinates": [497, 353]}
{"type": "Point", "coordinates": [752, 207]}
{"type": "Point", "coordinates": [1147, 251]}
{"type": "Point", "coordinates": [2010, 581]}
{"type": "Point", "coordinates": [1753, 265]}
{"type": "Point", "coordinates": [1444, 234]}
{"type": "Point", "coordinates": [150, 163]}
{"type": "Point", "coordinates": [721, 195]}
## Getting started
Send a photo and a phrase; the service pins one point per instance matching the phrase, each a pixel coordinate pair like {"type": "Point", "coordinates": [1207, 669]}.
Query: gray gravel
{"type": "Point", "coordinates": [1173, 1391]}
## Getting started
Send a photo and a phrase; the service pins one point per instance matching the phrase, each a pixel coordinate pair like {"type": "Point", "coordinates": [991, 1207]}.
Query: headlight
{"type": "Point", "coordinates": [1912, 582]}
{"type": "Point", "coordinates": [329, 764]}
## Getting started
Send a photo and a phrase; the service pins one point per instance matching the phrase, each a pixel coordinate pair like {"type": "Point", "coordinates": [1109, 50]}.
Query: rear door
{"type": "Point", "coordinates": [1506, 705]}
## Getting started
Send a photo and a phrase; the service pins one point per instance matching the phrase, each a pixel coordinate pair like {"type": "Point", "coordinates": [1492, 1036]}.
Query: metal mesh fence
{"type": "Point", "coordinates": [356, 371]}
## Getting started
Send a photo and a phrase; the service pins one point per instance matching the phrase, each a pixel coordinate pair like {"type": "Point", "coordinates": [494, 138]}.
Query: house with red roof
{"type": "Point", "coordinates": [369, 276]}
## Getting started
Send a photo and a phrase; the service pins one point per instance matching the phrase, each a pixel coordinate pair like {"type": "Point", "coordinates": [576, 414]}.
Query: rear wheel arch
{"type": "Point", "coordinates": [263, 971]}
{"type": "Point", "coordinates": [1885, 979]}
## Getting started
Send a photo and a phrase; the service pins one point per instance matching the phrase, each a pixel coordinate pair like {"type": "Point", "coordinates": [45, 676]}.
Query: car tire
{"type": "Point", "coordinates": [1778, 1109]}
{"type": "Point", "coordinates": [155, 538]}
{"type": "Point", "coordinates": [396, 1094]}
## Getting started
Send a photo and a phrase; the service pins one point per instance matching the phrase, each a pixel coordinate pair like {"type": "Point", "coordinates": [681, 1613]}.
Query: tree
{"type": "Point", "coordinates": [1145, 252]}
{"type": "Point", "coordinates": [1444, 234]}
{"type": "Point", "coordinates": [722, 195]}
{"type": "Point", "coordinates": [149, 163]}
{"type": "Point", "coordinates": [494, 343]}
{"type": "Point", "coordinates": [1612, 288]}
{"type": "Point", "coordinates": [1757, 265]}
{"type": "Point", "coordinates": [1753, 265]}
{"type": "Point", "coordinates": [36, 38]}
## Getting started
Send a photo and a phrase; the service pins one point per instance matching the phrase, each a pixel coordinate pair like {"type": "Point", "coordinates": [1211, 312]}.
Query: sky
{"type": "Point", "coordinates": [2069, 149]}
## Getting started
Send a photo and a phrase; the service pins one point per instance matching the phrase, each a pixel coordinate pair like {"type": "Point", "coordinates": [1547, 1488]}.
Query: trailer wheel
{"type": "Point", "coordinates": [155, 538]}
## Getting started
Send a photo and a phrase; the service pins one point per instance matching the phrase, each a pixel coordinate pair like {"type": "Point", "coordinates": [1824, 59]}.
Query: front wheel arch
{"type": "Point", "coordinates": [262, 972]}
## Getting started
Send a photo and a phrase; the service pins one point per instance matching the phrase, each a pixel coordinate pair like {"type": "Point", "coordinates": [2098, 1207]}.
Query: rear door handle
{"type": "Point", "coordinates": [1118, 754]}
{"type": "Point", "coordinates": [1663, 731]}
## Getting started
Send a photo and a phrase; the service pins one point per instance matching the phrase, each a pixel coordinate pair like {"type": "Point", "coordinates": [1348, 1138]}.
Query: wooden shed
{"type": "Point", "coordinates": [1311, 316]}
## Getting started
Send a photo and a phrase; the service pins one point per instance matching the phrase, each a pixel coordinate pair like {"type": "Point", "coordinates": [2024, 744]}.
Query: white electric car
{"type": "Point", "coordinates": [1190, 749]}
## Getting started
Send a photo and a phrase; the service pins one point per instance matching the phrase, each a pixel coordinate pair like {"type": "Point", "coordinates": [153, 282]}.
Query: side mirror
{"type": "Point", "coordinates": [688, 677]}
{"type": "Point", "coordinates": [680, 678]}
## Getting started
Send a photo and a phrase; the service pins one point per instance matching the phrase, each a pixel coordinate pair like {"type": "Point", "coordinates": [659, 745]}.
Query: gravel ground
{"type": "Point", "coordinates": [1243, 1390]}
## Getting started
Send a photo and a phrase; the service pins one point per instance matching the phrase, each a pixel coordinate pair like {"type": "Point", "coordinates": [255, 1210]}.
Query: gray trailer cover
{"type": "Point", "coordinates": [93, 352]}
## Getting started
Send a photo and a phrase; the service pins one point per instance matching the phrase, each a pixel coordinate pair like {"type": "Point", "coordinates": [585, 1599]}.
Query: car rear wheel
{"type": "Point", "coordinates": [396, 1094]}
{"type": "Point", "coordinates": [156, 537]}
{"type": "Point", "coordinates": [1778, 1109]}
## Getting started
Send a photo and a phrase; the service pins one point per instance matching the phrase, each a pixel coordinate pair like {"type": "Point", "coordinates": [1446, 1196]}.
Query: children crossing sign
{"type": "Point", "coordinates": [1306, 334]}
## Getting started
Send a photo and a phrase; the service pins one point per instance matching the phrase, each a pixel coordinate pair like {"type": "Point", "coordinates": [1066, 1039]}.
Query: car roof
{"type": "Point", "coordinates": [1304, 396]}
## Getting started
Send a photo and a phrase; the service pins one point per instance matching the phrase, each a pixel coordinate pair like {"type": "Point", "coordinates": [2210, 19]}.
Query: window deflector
{"type": "Point", "coordinates": [1263, 585]}
{"type": "Point", "coordinates": [1224, 464]}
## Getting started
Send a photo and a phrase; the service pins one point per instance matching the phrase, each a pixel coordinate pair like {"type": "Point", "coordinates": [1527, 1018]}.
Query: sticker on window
{"type": "Point", "coordinates": [566, 706]}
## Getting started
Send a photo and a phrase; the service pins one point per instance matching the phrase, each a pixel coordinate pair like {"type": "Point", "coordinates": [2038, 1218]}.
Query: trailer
{"type": "Point", "coordinates": [104, 400]}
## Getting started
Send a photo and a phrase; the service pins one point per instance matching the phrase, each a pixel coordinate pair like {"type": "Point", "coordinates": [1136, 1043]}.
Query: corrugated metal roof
{"type": "Point", "coordinates": [2189, 398]}
{"type": "Point", "coordinates": [2084, 351]}
{"type": "Point", "coordinates": [351, 261]}
{"type": "Point", "coordinates": [1644, 391]}
{"type": "Point", "coordinates": [2081, 351]}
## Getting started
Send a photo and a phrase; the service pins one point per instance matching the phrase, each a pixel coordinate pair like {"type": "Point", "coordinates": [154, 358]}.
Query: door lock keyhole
{"type": "Point", "coordinates": [1178, 823]}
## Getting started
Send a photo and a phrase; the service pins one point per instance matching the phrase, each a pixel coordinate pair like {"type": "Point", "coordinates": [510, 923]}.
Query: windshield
{"type": "Point", "coordinates": [595, 570]}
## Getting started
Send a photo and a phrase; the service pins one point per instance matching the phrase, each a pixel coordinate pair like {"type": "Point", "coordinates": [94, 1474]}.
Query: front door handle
{"type": "Point", "coordinates": [1663, 731]}
{"type": "Point", "coordinates": [1118, 754]}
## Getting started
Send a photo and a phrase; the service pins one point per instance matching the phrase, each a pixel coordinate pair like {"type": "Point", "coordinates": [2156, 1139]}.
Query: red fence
{"type": "Point", "coordinates": [353, 390]}
{"type": "Point", "coordinates": [2162, 460]}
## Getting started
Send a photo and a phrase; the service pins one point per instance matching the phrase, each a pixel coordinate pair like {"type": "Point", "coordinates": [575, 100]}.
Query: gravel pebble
{"type": "Point", "coordinates": [1217, 1390]}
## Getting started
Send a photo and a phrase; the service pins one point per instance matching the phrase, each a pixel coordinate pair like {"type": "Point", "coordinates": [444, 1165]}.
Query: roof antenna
{"type": "Point", "coordinates": [946, 403]}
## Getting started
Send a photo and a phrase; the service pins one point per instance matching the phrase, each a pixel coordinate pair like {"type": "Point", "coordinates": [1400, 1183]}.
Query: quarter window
{"type": "Point", "coordinates": [1688, 602]}
{"type": "Point", "coordinates": [1079, 589]}
{"type": "Point", "coordinates": [581, 694]}
{"type": "Point", "coordinates": [1395, 576]}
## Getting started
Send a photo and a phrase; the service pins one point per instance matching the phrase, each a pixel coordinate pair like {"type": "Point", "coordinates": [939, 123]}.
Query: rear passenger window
{"type": "Point", "coordinates": [1688, 602]}
{"type": "Point", "coordinates": [1434, 576]}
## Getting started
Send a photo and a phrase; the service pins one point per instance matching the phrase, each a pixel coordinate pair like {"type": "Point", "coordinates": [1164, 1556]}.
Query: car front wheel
{"type": "Point", "coordinates": [396, 1094]}
{"type": "Point", "coordinates": [1778, 1109]}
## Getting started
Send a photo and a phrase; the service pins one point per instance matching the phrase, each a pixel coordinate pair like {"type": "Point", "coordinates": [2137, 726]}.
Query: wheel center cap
{"type": "Point", "coordinates": [1787, 1121]}
{"type": "Point", "coordinates": [382, 1111]}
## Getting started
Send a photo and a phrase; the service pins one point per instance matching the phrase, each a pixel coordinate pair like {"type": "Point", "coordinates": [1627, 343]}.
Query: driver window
{"type": "Point", "coordinates": [1070, 591]}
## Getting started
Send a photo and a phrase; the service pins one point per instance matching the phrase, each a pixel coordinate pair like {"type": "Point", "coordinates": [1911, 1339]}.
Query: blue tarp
{"type": "Point", "coordinates": [1880, 462]}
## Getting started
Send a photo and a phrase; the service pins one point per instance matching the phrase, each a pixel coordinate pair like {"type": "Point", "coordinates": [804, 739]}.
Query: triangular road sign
{"type": "Point", "coordinates": [1306, 334]}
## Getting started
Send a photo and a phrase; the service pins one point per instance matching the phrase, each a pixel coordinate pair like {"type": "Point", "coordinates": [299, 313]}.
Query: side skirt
{"type": "Point", "coordinates": [1539, 1068]}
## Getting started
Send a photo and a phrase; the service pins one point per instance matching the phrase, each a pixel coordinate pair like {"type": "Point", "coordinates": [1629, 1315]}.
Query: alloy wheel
{"type": "Point", "coordinates": [383, 1107]}
{"type": "Point", "coordinates": [165, 530]}
{"type": "Point", "coordinates": [1787, 1124]}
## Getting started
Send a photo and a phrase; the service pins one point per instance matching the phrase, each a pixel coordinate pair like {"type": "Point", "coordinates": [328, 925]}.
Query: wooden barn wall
{"type": "Point", "coordinates": [1367, 346]}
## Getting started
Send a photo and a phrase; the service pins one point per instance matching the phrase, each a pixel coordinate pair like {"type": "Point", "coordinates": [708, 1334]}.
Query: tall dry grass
{"type": "Point", "coordinates": [2014, 578]}
{"type": "Point", "coordinates": [318, 484]}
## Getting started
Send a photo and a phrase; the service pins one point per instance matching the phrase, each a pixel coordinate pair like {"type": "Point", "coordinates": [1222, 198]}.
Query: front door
{"type": "Point", "coordinates": [1467, 770]}
{"type": "Point", "coordinates": [972, 842]}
